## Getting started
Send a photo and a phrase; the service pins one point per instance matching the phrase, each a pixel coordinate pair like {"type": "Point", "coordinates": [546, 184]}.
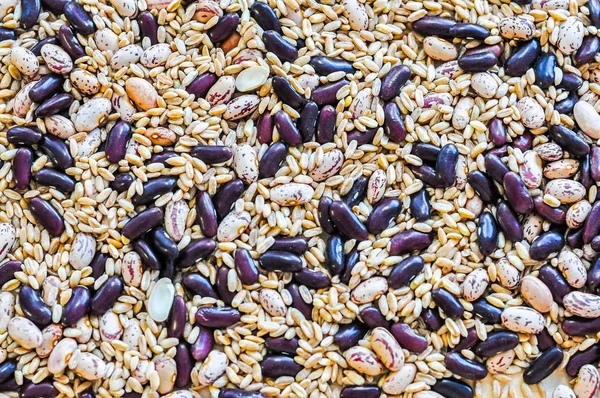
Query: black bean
{"type": "Point", "coordinates": [487, 233]}
{"type": "Point", "coordinates": [544, 340]}
{"type": "Point", "coordinates": [162, 243]}
{"type": "Point", "coordinates": [22, 163]}
{"type": "Point", "coordinates": [148, 26]}
{"type": "Point", "coordinates": [543, 366]}
{"type": "Point", "coordinates": [280, 261]}
{"type": "Point", "coordinates": [245, 267]}
{"type": "Point", "coordinates": [448, 303]}
{"type": "Point", "coordinates": [575, 326]}
{"type": "Point", "coordinates": [77, 306]}
{"type": "Point", "coordinates": [312, 279]}
{"type": "Point", "coordinates": [497, 131]}
{"type": "Point", "coordinates": [224, 28]}
{"type": "Point", "coordinates": [495, 168]}
{"type": "Point", "coordinates": [566, 106]}
{"type": "Point", "coordinates": [580, 358]}
{"type": "Point", "coordinates": [199, 87]}
{"type": "Point", "coordinates": [206, 214]}
{"type": "Point", "coordinates": [427, 152]}
{"type": "Point", "coordinates": [323, 215]}
{"type": "Point", "coordinates": [7, 34]}
{"type": "Point", "coordinates": [326, 125]}
{"type": "Point", "coordinates": [556, 215]}
{"type": "Point", "coordinates": [464, 367]}
{"type": "Point", "coordinates": [293, 245]}
{"type": "Point", "coordinates": [325, 65]}
{"type": "Point", "coordinates": [408, 338]}
{"type": "Point", "coordinates": [265, 16]}
{"type": "Point", "coordinates": [467, 342]}
{"type": "Point", "coordinates": [264, 128]}
{"type": "Point", "coordinates": [570, 81]}
{"type": "Point", "coordinates": [307, 123]}
{"type": "Point", "coordinates": [477, 62]}
{"type": "Point", "coordinates": [122, 182]}
{"type": "Point", "coordinates": [334, 254]}
{"type": "Point", "coordinates": [362, 137]}
{"type": "Point", "coordinates": [54, 105]}
{"type": "Point", "coordinates": [373, 318]}
{"type": "Point", "coordinates": [236, 393]}
{"type": "Point", "coordinates": [522, 58]}
{"type": "Point", "coordinates": [212, 154]}
{"type": "Point", "coordinates": [282, 345]}
{"type": "Point", "coordinates": [217, 317]}
{"type": "Point", "coordinates": [509, 223]}
{"type": "Point", "coordinates": [349, 335]}
{"type": "Point", "coordinates": [44, 389]}
{"type": "Point", "coordinates": [98, 265]}
{"type": "Point", "coordinates": [56, 179]}
{"type": "Point", "coordinates": [486, 311]}
{"type": "Point", "coordinates": [198, 249]}
{"type": "Point", "coordinates": [517, 194]}
{"type": "Point", "coordinates": [288, 132]}
{"type": "Point", "coordinates": [588, 50]}
{"type": "Point", "coordinates": [7, 370]}
{"type": "Point", "coordinates": [197, 284]}
{"type": "Point", "coordinates": [279, 46]}
{"type": "Point", "coordinates": [381, 217]}
{"type": "Point", "coordinates": [483, 185]}
{"type": "Point", "coordinates": [434, 26]}
{"type": "Point", "coordinates": [451, 388]}
{"type": "Point", "coordinates": [162, 157]}
{"type": "Point", "coordinates": [203, 344]}
{"type": "Point", "coordinates": [79, 19]}
{"type": "Point", "coordinates": [361, 392]}
{"type": "Point", "coordinates": [358, 191]}
{"type": "Point", "coordinates": [569, 140]}
{"type": "Point", "coordinates": [8, 269]}
{"type": "Point", "coordinates": [406, 270]}
{"type": "Point", "coordinates": [106, 295]}
{"type": "Point", "coordinates": [351, 261]}
{"type": "Point", "coordinates": [469, 30]}
{"type": "Point", "coordinates": [146, 253]}
{"type": "Point", "coordinates": [272, 159]}
{"type": "Point", "coordinates": [346, 222]}
{"type": "Point", "coordinates": [298, 302]}
{"type": "Point", "coordinates": [46, 87]}
{"type": "Point", "coordinates": [143, 222]}
{"type": "Point", "coordinates": [545, 245]}
{"type": "Point", "coordinates": [274, 366]}
{"type": "Point", "coordinates": [36, 49]}
{"type": "Point", "coordinates": [445, 166]}
{"type": "Point", "coordinates": [287, 93]}
{"type": "Point", "coordinates": [432, 319]}
{"type": "Point", "coordinates": [56, 6]}
{"type": "Point", "coordinates": [20, 135]}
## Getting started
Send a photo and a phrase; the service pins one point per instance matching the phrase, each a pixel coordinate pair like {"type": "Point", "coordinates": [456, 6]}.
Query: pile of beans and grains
{"type": "Point", "coordinates": [299, 198]}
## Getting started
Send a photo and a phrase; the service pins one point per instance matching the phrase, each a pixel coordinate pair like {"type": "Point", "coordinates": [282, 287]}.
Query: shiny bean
{"type": "Point", "coordinates": [570, 81]}
{"type": "Point", "coordinates": [203, 344]}
{"type": "Point", "coordinates": [148, 26]}
{"type": "Point", "coordinates": [477, 62]}
{"type": "Point", "coordinates": [197, 284]}
{"type": "Point", "coordinates": [298, 302]}
{"type": "Point", "coordinates": [569, 140]}
{"type": "Point", "coordinates": [349, 335]}
{"type": "Point", "coordinates": [177, 318]}
{"type": "Point", "coordinates": [408, 338]}
{"type": "Point", "coordinates": [346, 222]}
{"type": "Point", "coordinates": [33, 307]}
{"type": "Point", "coordinates": [407, 241]}
{"type": "Point", "coordinates": [555, 281]}
{"type": "Point", "coordinates": [433, 26]}
{"type": "Point", "coordinates": [487, 233]}
{"type": "Point", "coordinates": [484, 187]}
{"type": "Point", "coordinates": [394, 81]}
{"type": "Point", "coordinates": [453, 388]}
{"type": "Point", "coordinates": [588, 50]}
{"type": "Point", "coordinates": [54, 105]}
{"type": "Point", "coordinates": [8, 269]}
{"type": "Point", "coordinates": [46, 87]}
{"type": "Point", "coordinates": [198, 249]}
{"type": "Point", "coordinates": [68, 41]}
{"type": "Point", "coordinates": [420, 207]}
{"type": "Point", "coordinates": [495, 168]}
{"type": "Point", "coordinates": [545, 245]}
{"type": "Point", "coordinates": [280, 261]}
{"type": "Point", "coordinates": [22, 163]}
{"type": "Point", "coordinates": [106, 295]}
{"type": "Point", "coordinates": [272, 159]}
{"type": "Point", "coordinates": [245, 267]}
{"type": "Point", "coordinates": [47, 215]}
{"type": "Point", "coordinates": [224, 28]}
{"type": "Point", "coordinates": [286, 93]}
{"type": "Point", "coordinates": [407, 269]}
{"type": "Point", "coordinates": [79, 19]}
{"type": "Point", "coordinates": [543, 366]}
{"type": "Point", "coordinates": [276, 44]}
{"type": "Point", "coordinates": [227, 194]}
{"type": "Point", "coordinates": [464, 367]}
{"type": "Point", "coordinates": [496, 343]}
{"type": "Point", "coordinates": [522, 58]}
{"type": "Point", "coordinates": [117, 141]}
{"type": "Point", "coordinates": [206, 214]}
{"type": "Point", "coordinates": [30, 12]}
{"type": "Point", "coordinates": [373, 318]}
{"type": "Point", "coordinates": [185, 364]}
{"type": "Point", "coordinates": [448, 303]}
{"type": "Point", "coordinates": [326, 94]}
{"type": "Point", "coordinates": [265, 17]}
{"type": "Point", "coordinates": [19, 135]}
{"type": "Point", "coordinates": [487, 312]}
{"type": "Point", "coordinates": [143, 222]}
{"type": "Point", "coordinates": [517, 194]}
{"type": "Point", "coordinates": [467, 342]}
{"type": "Point", "coordinates": [274, 366]}
{"type": "Point", "coordinates": [217, 317]}
{"type": "Point", "coordinates": [287, 129]}
{"type": "Point", "coordinates": [307, 123]}
{"type": "Point", "coordinates": [394, 125]}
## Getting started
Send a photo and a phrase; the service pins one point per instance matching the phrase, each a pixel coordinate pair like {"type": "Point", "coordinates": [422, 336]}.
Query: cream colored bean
{"type": "Point", "coordinates": [90, 366]}
{"type": "Point", "coordinates": [499, 363]}
{"type": "Point", "coordinates": [25, 333]}
{"type": "Point", "coordinates": [241, 106]}
{"type": "Point", "coordinates": [91, 114]}
{"type": "Point", "coordinates": [207, 9]}
{"type": "Point", "coordinates": [531, 170]}
{"type": "Point", "coordinates": [60, 355]}
{"type": "Point", "coordinates": [176, 214]}
{"type": "Point", "coordinates": [376, 186]}
{"type": "Point", "coordinates": [522, 320]}
{"type": "Point", "coordinates": [484, 85]}
{"type": "Point", "coordinates": [161, 136]}
{"type": "Point", "coordinates": [567, 191]}
{"type": "Point", "coordinates": [508, 274]}
{"type": "Point", "coordinates": [361, 103]}
{"type": "Point", "coordinates": [369, 290]}
{"type": "Point", "coordinates": [24, 60]}
{"type": "Point", "coordinates": [577, 214]}
{"type": "Point", "coordinates": [462, 113]}
{"type": "Point", "coordinates": [572, 268]}
{"type": "Point", "coordinates": [395, 383]}
{"type": "Point", "coordinates": [532, 227]}
{"type": "Point", "coordinates": [87, 147]}
{"type": "Point", "coordinates": [132, 334]}
{"type": "Point", "coordinates": [110, 327]}
{"type": "Point", "coordinates": [245, 163]}
{"type": "Point", "coordinates": [222, 91]}
{"type": "Point", "coordinates": [60, 126]}
{"type": "Point", "coordinates": [82, 251]}
{"type": "Point", "coordinates": [126, 56]}
{"type": "Point", "coordinates": [364, 361]}
{"type": "Point", "coordinates": [292, 194]}
{"type": "Point", "coordinates": [532, 113]}
{"type": "Point", "coordinates": [331, 165]}
{"type": "Point", "coordinates": [549, 151]}
{"type": "Point", "coordinates": [536, 293]}
{"type": "Point", "coordinates": [131, 269]}
{"type": "Point", "coordinates": [585, 305]}
{"type": "Point", "coordinates": [251, 79]}
{"type": "Point", "coordinates": [387, 348]}
{"type": "Point", "coordinates": [475, 284]}
{"type": "Point", "coordinates": [272, 302]}
{"type": "Point", "coordinates": [22, 103]}
{"type": "Point", "coordinates": [587, 119]}
{"type": "Point", "coordinates": [563, 391]}
{"type": "Point", "coordinates": [125, 8]}
{"type": "Point", "coordinates": [124, 107]}
{"type": "Point", "coordinates": [212, 368]}
{"type": "Point", "coordinates": [156, 55]}
{"type": "Point", "coordinates": [85, 327]}
{"type": "Point", "coordinates": [161, 300]}
{"type": "Point", "coordinates": [167, 371]}
{"type": "Point", "coordinates": [517, 28]}
{"type": "Point", "coordinates": [587, 383]}
{"type": "Point", "coordinates": [232, 226]}
{"type": "Point", "coordinates": [439, 49]}
{"type": "Point", "coordinates": [570, 35]}
{"type": "Point", "coordinates": [8, 235]}
{"type": "Point", "coordinates": [51, 335]}
{"type": "Point", "coordinates": [142, 93]}
{"type": "Point", "coordinates": [57, 59]}
{"type": "Point", "coordinates": [356, 14]}
{"type": "Point", "coordinates": [106, 39]}
{"type": "Point", "coordinates": [50, 289]}
{"type": "Point", "coordinates": [564, 168]}
{"type": "Point", "coordinates": [7, 309]}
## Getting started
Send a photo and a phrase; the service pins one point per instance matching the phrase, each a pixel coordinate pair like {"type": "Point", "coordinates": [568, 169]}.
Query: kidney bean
{"type": "Point", "coordinates": [484, 187]}
{"type": "Point", "coordinates": [420, 207]}
{"type": "Point", "coordinates": [361, 137]}
{"type": "Point", "coordinates": [555, 281]}
{"type": "Point", "coordinates": [326, 94]}
{"type": "Point", "coordinates": [358, 192]}
{"type": "Point", "coordinates": [143, 222]}
{"type": "Point", "coordinates": [287, 129]}
{"type": "Point", "coordinates": [146, 253]}
{"type": "Point", "coordinates": [274, 366]}
{"type": "Point", "coordinates": [517, 194]}
{"type": "Point", "coordinates": [79, 19]}
{"type": "Point", "coordinates": [20, 135]}
{"type": "Point", "coordinates": [487, 233]}
{"type": "Point", "coordinates": [325, 65]}
{"type": "Point", "coordinates": [33, 307]}
{"type": "Point", "coordinates": [427, 152]}
{"type": "Point", "coordinates": [580, 358]}
{"type": "Point", "coordinates": [544, 340]}
{"type": "Point", "coordinates": [117, 141]}
{"type": "Point", "coordinates": [486, 311]}
{"type": "Point", "coordinates": [372, 317]}
{"type": "Point", "coordinates": [8, 269]}
{"type": "Point", "coordinates": [177, 318]}
{"type": "Point", "coordinates": [235, 393]}
{"type": "Point", "coordinates": [298, 302]}
{"type": "Point", "coordinates": [556, 215]}
{"type": "Point", "coordinates": [98, 265]}
{"type": "Point", "coordinates": [349, 335]}
{"type": "Point", "coordinates": [163, 243]}
{"type": "Point", "coordinates": [148, 26]}
{"type": "Point", "coordinates": [287, 93]}
{"type": "Point", "coordinates": [593, 276]}
{"type": "Point", "coordinates": [394, 125]}
{"type": "Point", "coordinates": [477, 62]}
{"type": "Point", "coordinates": [407, 269]}
{"type": "Point", "coordinates": [594, 164]}
{"type": "Point", "coordinates": [591, 228]}
{"type": "Point", "coordinates": [7, 370]}
{"type": "Point", "coordinates": [56, 6]}
{"type": "Point", "coordinates": [122, 182]}
{"type": "Point", "coordinates": [545, 245]}
{"type": "Point", "coordinates": [351, 260]}
{"type": "Point", "coordinates": [57, 151]}
{"type": "Point", "coordinates": [203, 344]}
{"type": "Point", "coordinates": [495, 168]}
{"type": "Point", "coordinates": [272, 159]}
{"type": "Point", "coordinates": [44, 389]}
{"type": "Point", "coordinates": [38, 46]}
{"type": "Point", "coordinates": [30, 12]}
{"type": "Point", "coordinates": [496, 343]}
{"type": "Point", "coordinates": [453, 388]}
{"type": "Point", "coordinates": [323, 215]}
{"type": "Point", "coordinates": [467, 342]}
{"type": "Point", "coordinates": [576, 326]}
{"type": "Point", "coordinates": [566, 106]}
{"type": "Point", "coordinates": [245, 267]}
{"type": "Point", "coordinates": [276, 44]}
{"type": "Point", "coordinates": [522, 58]}
{"type": "Point", "coordinates": [570, 82]}
{"type": "Point", "coordinates": [264, 128]}
{"type": "Point", "coordinates": [183, 360]}
{"type": "Point", "coordinates": [432, 319]}
{"type": "Point", "coordinates": [162, 157]}
{"type": "Point", "coordinates": [464, 367]}
{"type": "Point", "coordinates": [346, 222]}
{"type": "Point", "coordinates": [47, 216]}
{"type": "Point", "coordinates": [312, 279]}
{"type": "Point", "coordinates": [77, 306]}
{"type": "Point", "coordinates": [594, 8]}
{"type": "Point", "coordinates": [265, 17]}
{"type": "Point", "coordinates": [224, 28]}
{"type": "Point", "coordinates": [428, 175]}
{"type": "Point", "coordinates": [497, 131]}
{"type": "Point", "coordinates": [282, 345]}
{"type": "Point", "coordinates": [588, 50]}
{"type": "Point", "coordinates": [307, 123]}
{"type": "Point", "coordinates": [106, 295]}
{"type": "Point", "coordinates": [469, 30]}
{"type": "Point", "coordinates": [367, 391]}
{"type": "Point", "coordinates": [393, 82]}
{"type": "Point", "coordinates": [446, 165]}
{"type": "Point", "coordinates": [293, 245]}
{"type": "Point", "coordinates": [280, 261]}
{"type": "Point", "coordinates": [198, 285]}
{"type": "Point", "coordinates": [543, 366]}
{"type": "Point", "coordinates": [54, 105]}
{"type": "Point", "coordinates": [433, 26]}
{"type": "Point", "coordinates": [198, 249]}
{"type": "Point", "coordinates": [408, 241]}
{"type": "Point", "coordinates": [448, 303]}
{"type": "Point", "coordinates": [22, 163]}
{"type": "Point", "coordinates": [199, 87]}
{"type": "Point", "coordinates": [569, 140]}
{"type": "Point", "coordinates": [408, 338]}
{"type": "Point", "coordinates": [46, 87]}
{"type": "Point", "coordinates": [206, 214]}
{"type": "Point", "coordinates": [69, 42]}
{"type": "Point", "coordinates": [227, 194]}
{"type": "Point", "coordinates": [217, 317]}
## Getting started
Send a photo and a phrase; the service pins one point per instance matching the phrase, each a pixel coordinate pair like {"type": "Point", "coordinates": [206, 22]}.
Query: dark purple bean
{"type": "Point", "coordinates": [523, 141]}
{"type": "Point", "coordinates": [445, 166]}
{"type": "Point", "coordinates": [486, 311]}
{"type": "Point", "coordinates": [594, 9]}
{"type": "Point", "coordinates": [496, 343]}
{"type": "Point", "coordinates": [585, 172]}
{"type": "Point", "coordinates": [580, 327]}
{"type": "Point", "coordinates": [20, 135]}
{"type": "Point", "coordinates": [420, 207]}
{"type": "Point", "coordinates": [274, 366]}
{"type": "Point", "coordinates": [307, 123]}
{"type": "Point", "coordinates": [407, 241]}
{"type": "Point", "coordinates": [484, 187]}
{"type": "Point", "coordinates": [45, 88]}
{"type": "Point", "coordinates": [8, 269]}
{"type": "Point", "coordinates": [312, 279]}
{"type": "Point", "coordinates": [222, 286]}
{"type": "Point", "coordinates": [117, 141]}
{"type": "Point", "coordinates": [591, 228]}
{"type": "Point", "coordinates": [143, 222]}
{"type": "Point", "coordinates": [162, 243]}
{"type": "Point", "coordinates": [448, 303]}
{"type": "Point", "coordinates": [554, 279]}
{"type": "Point", "coordinates": [543, 366]}
{"type": "Point", "coordinates": [122, 182]}
{"type": "Point", "coordinates": [197, 284]}
{"type": "Point", "coordinates": [131, 394]}
{"type": "Point", "coordinates": [77, 306]}
{"type": "Point", "coordinates": [349, 334]}
{"type": "Point", "coordinates": [593, 277]}
{"type": "Point", "coordinates": [98, 265]}
{"type": "Point", "coordinates": [477, 62]}
{"type": "Point", "coordinates": [325, 65]}
{"type": "Point", "coordinates": [326, 94]}
{"type": "Point", "coordinates": [566, 106]}
{"type": "Point", "coordinates": [323, 215]}
{"type": "Point", "coordinates": [282, 345]}
{"type": "Point", "coordinates": [235, 393]}
{"type": "Point", "coordinates": [264, 128]}
{"type": "Point", "coordinates": [468, 31]}
{"type": "Point", "coordinates": [7, 370]}
{"type": "Point", "coordinates": [44, 389]}
{"type": "Point", "coordinates": [224, 28]}
{"type": "Point", "coordinates": [495, 168]}
{"type": "Point", "coordinates": [451, 388]}
{"type": "Point", "coordinates": [265, 17]}
{"type": "Point", "coordinates": [298, 302]}
{"type": "Point", "coordinates": [272, 159]}
{"type": "Point", "coordinates": [79, 19]}
{"type": "Point", "coordinates": [432, 319]}
{"type": "Point", "coordinates": [287, 93]}
{"type": "Point", "coordinates": [394, 125]}
{"type": "Point", "coordinates": [362, 137]}
{"type": "Point", "coordinates": [57, 151]}
{"type": "Point", "coordinates": [203, 344]}
{"type": "Point", "coordinates": [148, 26]}
{"type": "Point", "coordinates": [334, 255]}
{"type": "Point", "coordinates": [293, 245]}
{"type": "Point", "coordinates": [206, 214]}
{"type": "Point", "coordinates": [373, 318]}
{"type": "Point", "coordinates": [427, 175]}
{"type": "Point", "coordinates": [10, 386]}
{"type": "Point", "coordinates": [468, 341]}
{"type": "Point", "coordinates": [217, 317]}
{"type": "Point", "coordinates": [403, 273]}
{"type": "Point", "coordinates": [509, 223]}
{"type": "Point", "coordinates": [198, 88]}
{"type": "Point", "coordinates": [22, 163]}
{"type": "Point", "coordinates": [177, 318]}
{"type": "Point", "coordinates": [544, 340]}
{"type": "Point", "coordinates": [245, 267]}
{"type": "Point", "coordinates": [360, 392]}
{"type": "Point", "coordinates": [346, 222]}
{"type": "Point", "coordinates": [68, 41]}
{"type": "Point", "coordinates": [394, 81]}
{"type": "Point", "coordinates": [287, 129]}
{"type": "Point", "coordinates": [569, 140]}
{"type": "Point", "coordinates": [570, 81]}
{"type": "Point", "coordinates": [198, 249]}
{"type": "Point", "coordinates": [495, 49]}
{"type": "Point", "coordinates": [517, 194]}
{"type": "Point", "coordinates": [106, 295]}
{"type": "Point", "coordinates": [326, 125]}
{"type": "Point", "coordinates": [276, 44]}
{"type": "Point", "coordinates": [7, 34]}
{"type": "Point", "coordinates": [588, 50]}
{"type": "Point", "coordinates": [351, 261]}
{"type": "Point", "coordinates": [433, 26]}
{"type": "Point", "coordinates": [185, 364]}
{"type": "Point", "coordinates": [162, 157]}
{"type": "Point", "coordinates": [89, 394]}
{"type": "Point", "coordinates": [358, 191]}
{"type": "Point", "coordinates": [30, 12]}
{"type": "Point", "coordinates": [595, 163]}
{"type": "Point", "coordinates": [167, 269]}
{"type": "Point", "coordinates": [487, 233]}
{"type": "Point", "coordinates": [556, 215]}
{"type": "Point", "coordinates": [464, 367]}
{"type": "Point", "coordinates": [427, 152]}
{"type": "Point", "coordinates": [54, 105]}
{"type": "Point", "coordinates": [497, 132]}
{"type": "Point", "coordinates": [56, 6]}
{"type": "Point", "coordinates": [38, 46]}
{"type": "Point", "coordinates": [274, 260]}
{"type": "Point", "coordinates": [33, 307]}
{"type": "Point", "coordinates": [45, 214]}
{"type": "Point", "coordinates": [545, 245]}
{"type": "Point", "coordinates": [522, 58]}
{"type": "Point", "coordinates": [408, 338]}
{"type": "Point", "coordinates": [580, 358]}
{"type": "Point", "coordinates": [227, 194]}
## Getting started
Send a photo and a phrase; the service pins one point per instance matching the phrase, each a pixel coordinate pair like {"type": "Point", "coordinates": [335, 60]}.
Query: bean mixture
{"type": "Point", "coordinates": [299, 198]}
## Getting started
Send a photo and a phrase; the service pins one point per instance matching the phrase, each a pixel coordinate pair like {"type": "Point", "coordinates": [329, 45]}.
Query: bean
{"type": "Point", "coordinates": [566, 106]}
{"type": "Point", "coordinates": [430, 26]}
{"type": "Point", "coordinates": [245, 267]}
{"type": "Point", "coordinates": [496, 343]}
{"type": "Point", "coordinates": [358, 192]}
{"type": "Point", "coordinates": [117, 141]}
{"type": "Point", "coordinates": [69, 42]}
{"type": "Point", "coordinates": [576, 326]}
{"type": "Point", "coordinates": [177, 318]}
{"type": "Point", "coordinates": [467, 342]}
{"type": "Point", "coordinates": [274, 366]}
{"type": "Point", "coordinates": [523, 141]}
{"type": "Point", "coordinates": [522, 58]}
{"type": "Point", "coordinates": [287, 129]}
{"type": "Point", "coordinates": [235, 393]}
{"type": "Point", "coordinates": [106, 295]}
{"type": "Point", "coordinates": [547, 244]}
{"type": "Point", "coordinates": [307, 123]}
{"type": "Point", "coordinates": [8, 269]}
{"type": "Point", "coordinates": [555, 281]}
{"type": "Point", "coordinates": [373, 318]}
{"type": "Point", "coordinates": [581, 358]}
{"type": "Point", "coordinates": [362, 138]}
{"type": "Point", "coordinates": [298, 302]}
{"type": "Point", "coordinates": [351, 261]}
{"type": "Point", "coordinates": [203, 344]}
{"type": "Point", "coordinates": [448, 303]}
{"type": "Point", "coordinates": [446, 164]}
{"type": "Point", "coordinates": [487, 312]}
{"type": "Point", "coordinates": [44, 389]}
{"type": "Point", "coordinates": [394, 125]}
{"type": "Point", "coordinates": [224, 28]}
{"type": "Point", "coordinates": [198, 285]}
{"type": "Point", "coordinates": [408, 241]}
{"type": "Point", "coordinates": [408, 338]}
{"type": "Point", "coordinates": [276, 44]}
{"type": "Point", "coordinates": [556, 215]}
{"type": "Point", "coordinates": [264, 127]}
{"type": "Point", "coordinates": [8, 34]}
{"type": "Point", "coordinates": [19, 135]}
{"type": "Point", "coordinates": [147, 254]}
{"type": "Point", "coordinates": [464, 367]}
{"type": "Point", "coordinates": [517, 194]}
{"type": "Point", "coordinates": [33, 307]}
{"type": "Point", "coordinates": [198, 249]}
{"type": "Point", "coordinates": [569, 140]}
{"type": "Point", "coordinates": [484, 187]}
{"type": "Point", "coordinates": [588, 50]}
{"type": "Point", "coordinates": [287, 93]}
{"type": "Point", "coordinates": [427, 174]}
{"type": "Point", "coordinates": [30, 12]}
{"type": "Point", "coordinates": [420, 207]}
{"type": "Point", "coordinates": [497, 131]}
{"type": "Point", "coordinates": [7, 370]}
{"type": "Point", "coordinates": [217, 317]}
{"type": "Point", "coordinates": [360, 392]}
{"type": "Point", "coordinates": [22, 163]}
{"type": "Point", "coordinates": [265, 17]}
{"type": "Point", "coordinates": [432, 319]}
{"type": "Point", "coordinates": [469, 30]}
{"type": "Point", "coordinates": [394, 81]}
{"type": "Point", "coordinates": [346, 222]}
{"type": "Point", "coordinates": [47, 216]}
{"type": "Point", "coordinates": [79, 18]}
{"type": "Point", "coordinates": [280, 261]}
{"type": "Point", "coordinates": [405, 271]}
{"type": "Point", "coordinates": [453, 388]}
{"type": "Point", "coordinates": [326, 94]}
{"type": "Point", "coordinates": [46, 87]}
{"type": "Point", "coordinates": [77, 307]}
{"type": "Point", "coordinates": [324, 215]}
{"type": "Point", "coordinates": [143, 222]}
{"type": "Point", "coordinates": [199, 88]}
{"type": "Point", "coordinates": [477, 62]}
{"type": "Point", "coordinates": [495, 168]}
{"type": "Point", "coordinates": [293, 245]}
{"type": "Point", "coordinates": [543, 366]}
{"type": "Point", "coordinates": [282, 345]}
{"type": "Point", "coordinates": [54, 105]}
{"type": "Point", "coordinates": [487, 233]}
